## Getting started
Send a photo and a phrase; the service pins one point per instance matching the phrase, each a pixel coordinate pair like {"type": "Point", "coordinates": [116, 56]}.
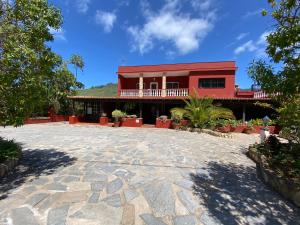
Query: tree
{"type": "Point", "coordinates": [78, 63]}
{"type": "Point", "coordinates": [28, 67]}
{"type": "Point", "coordinates": [201, 112]}
{"type": "Point", "coordinates": [283, 48]}
{"type": "Point", "coordinates": [62, 85]}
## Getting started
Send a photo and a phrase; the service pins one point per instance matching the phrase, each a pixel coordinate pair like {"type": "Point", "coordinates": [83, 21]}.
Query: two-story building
{"type": "Point", "coordinates": [152, 90]}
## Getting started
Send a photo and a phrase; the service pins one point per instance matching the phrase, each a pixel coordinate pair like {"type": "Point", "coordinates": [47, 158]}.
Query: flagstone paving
{"type": "Point", "coordinates": [73, 174]}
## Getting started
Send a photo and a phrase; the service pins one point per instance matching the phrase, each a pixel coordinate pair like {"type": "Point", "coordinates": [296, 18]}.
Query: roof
{"type": "Point", "coordinates": [197, 66]}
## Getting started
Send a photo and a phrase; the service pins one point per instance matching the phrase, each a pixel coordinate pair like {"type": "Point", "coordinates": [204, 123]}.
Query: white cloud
{"type": "Point", "coordinates": [258, 47]}
{"type": "Point", "coordinates": [82, 5]}
{"type": "Point", "coordinates": [58, 34]}
{"type": "Point", "coordinates": [241, 36]}
{"type": "Point", "coordinates": [252, 13]}
{"type": "Point", "coordinates": [201, 4]}
{"type": "Point", "coordinates": [248, 46]}
{"type": "Point", "coordinates": [106, 19]}
{"type": "Point", "coordinates": [170, 25]}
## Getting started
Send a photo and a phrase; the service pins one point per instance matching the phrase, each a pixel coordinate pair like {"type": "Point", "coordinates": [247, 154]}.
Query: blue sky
{"type": "Point", "coordinates": [139, 32]}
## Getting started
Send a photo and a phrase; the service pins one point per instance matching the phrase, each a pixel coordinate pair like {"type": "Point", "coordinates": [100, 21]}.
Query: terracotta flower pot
{"type": "Point", "coordinates": [117, 124]}
{"type": "Point", "coordinates": [249, 130]}
{"type": "Point", "coordinates": [176, 126]}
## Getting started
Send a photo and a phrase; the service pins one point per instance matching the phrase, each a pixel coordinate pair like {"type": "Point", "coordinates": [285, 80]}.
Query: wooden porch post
{"type": "Point", "coordinates": [73, 107]}
{"type": "Point", "coordinates": [141, 84]}
{"type": "Point", "coordinates": [244, 113]}
{"type": "Point", "coordinates": [141, 109]}
{"type": "Point", "coordinates": [164, 85]}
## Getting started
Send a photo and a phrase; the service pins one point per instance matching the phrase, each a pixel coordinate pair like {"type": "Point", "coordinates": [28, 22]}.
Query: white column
{"type": "Point", "coordinates": [141, 84]}
{"type": "Point", "coordinates": [164, 85]}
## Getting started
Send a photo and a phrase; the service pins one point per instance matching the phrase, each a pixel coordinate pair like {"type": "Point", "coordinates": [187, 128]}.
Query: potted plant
{"type": "Point", "coordinates": [223, 126]}
{"type": "Point", "coordinates": [176, 116]}
{"type": "Point", "coordinates": [117, 115]}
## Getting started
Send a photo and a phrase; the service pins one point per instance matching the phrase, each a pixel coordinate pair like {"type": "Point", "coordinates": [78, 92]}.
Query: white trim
{"type": "Point", "coordinates": [153, 83]}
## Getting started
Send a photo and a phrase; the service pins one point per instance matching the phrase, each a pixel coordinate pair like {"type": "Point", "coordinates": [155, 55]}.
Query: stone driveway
{"type": "Point", "coordinates": [84, 174]}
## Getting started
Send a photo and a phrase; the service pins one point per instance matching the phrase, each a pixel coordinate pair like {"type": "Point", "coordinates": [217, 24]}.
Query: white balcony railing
{"type": "Point", "coordinates": [262, 94]}
{"type": "Point", "coordinates": [129, 92]}
{"type": "Point", "coordinates": [152, 92]}
{"type": "Point", "coordinates": [179, 92]}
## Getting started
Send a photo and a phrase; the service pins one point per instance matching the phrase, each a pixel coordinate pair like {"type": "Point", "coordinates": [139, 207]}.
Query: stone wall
{"type": "Point", "coordinates": [8, 166]}
{"type": "Point", "coordinates": [287, 188]}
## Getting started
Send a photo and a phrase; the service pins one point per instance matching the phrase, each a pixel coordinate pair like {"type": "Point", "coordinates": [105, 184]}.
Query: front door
{"type": "Point", "coordinates": [153, 85]}
{"type": "Point", "coordinates": [153, 89]}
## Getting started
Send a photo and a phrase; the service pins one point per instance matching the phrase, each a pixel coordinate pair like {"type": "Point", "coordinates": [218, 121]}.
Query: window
{"type": "Point", "coordinates": [211, 83]}
{"type": "Point", "coordinates": [172, 85]}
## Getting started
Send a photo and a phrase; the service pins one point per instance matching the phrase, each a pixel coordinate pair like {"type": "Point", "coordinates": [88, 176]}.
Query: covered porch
{"type": "Point", "coordinates": [158, 84]}
{"type": "Point", "coordinates": [90, 109]}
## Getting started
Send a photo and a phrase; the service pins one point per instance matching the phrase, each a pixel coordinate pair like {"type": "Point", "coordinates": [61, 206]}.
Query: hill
{"type": "Point", "coordinates": [107, 90]}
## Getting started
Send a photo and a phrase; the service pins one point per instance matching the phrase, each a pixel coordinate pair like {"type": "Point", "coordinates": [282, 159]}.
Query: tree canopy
{"type": "Point", "coordinates": [283, 48]}
{"type": "Point", "coordinates": [78, 63]}
{"type": "Point", "coordinates": [30, 72]}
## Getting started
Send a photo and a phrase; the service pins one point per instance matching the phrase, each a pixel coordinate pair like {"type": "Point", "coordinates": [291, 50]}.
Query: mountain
{"type": "Point", "coordinates": [107, 90]}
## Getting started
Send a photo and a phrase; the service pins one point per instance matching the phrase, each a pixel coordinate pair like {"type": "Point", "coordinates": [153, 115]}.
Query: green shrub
{"type": "Point", "coordinates": [9, 150]}
{"type": "Point", "coordinates": [202, 113]}
{"type": "Point", "coordinates": [177, 115]}
{"type": "Point", "coordinates": [118, 113]}
{"type": "Point", "coordinates": [283, 158]}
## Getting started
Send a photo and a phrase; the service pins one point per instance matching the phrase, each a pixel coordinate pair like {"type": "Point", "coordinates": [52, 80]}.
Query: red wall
{"type": "Point", "coordinates": [227, 92]}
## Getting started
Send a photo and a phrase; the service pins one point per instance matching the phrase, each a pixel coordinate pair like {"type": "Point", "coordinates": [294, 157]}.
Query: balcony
{"type": "Point", "coordinates": [179, 92]}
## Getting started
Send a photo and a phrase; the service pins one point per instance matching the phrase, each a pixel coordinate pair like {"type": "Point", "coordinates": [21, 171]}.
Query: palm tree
{"type": "Point", "coordinates": [201, 112]}
{"type": "Point", "coordinates": [78, 63]}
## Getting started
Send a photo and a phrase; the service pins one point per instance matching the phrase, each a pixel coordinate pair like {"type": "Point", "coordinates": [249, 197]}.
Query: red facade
{"type": "Point", "coordinates": [211, 79]}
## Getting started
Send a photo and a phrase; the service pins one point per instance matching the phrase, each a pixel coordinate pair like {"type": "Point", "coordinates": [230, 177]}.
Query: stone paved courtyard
{"type": "Point", "coordinates": [99, 175]}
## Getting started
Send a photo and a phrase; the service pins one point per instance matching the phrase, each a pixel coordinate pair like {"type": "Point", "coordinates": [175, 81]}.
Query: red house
{"type": "Point", "coordinates": [214, 79]}
{"type": "Point", "coordinates": [152, 90]}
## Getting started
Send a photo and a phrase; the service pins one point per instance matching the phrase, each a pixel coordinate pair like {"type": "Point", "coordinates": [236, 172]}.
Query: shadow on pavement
{"type": "Point", "coordinates": [34, 162]}
{"type": "Point", "coordinates": [233, 195]}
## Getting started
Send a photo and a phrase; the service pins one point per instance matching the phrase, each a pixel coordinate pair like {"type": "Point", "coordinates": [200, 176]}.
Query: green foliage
{"type": "Point", "coordinates": [290, 120]}
{"type": "Point", "coordinates": [283, 47]}
{"type": "Point", "coordinates": [108, 90]}
{"type": "Point", "coordinates": [9, 150]}
{"type": "Point", "coordinates": [177, 114]}
{"type": "Point", "coordinates": [202, 113]}
{"type": "Point", "coordinates": [77, 62]}
{"type": "Point", "coordinates": [32, 77]}
{"type": "Point", "coordinates": [227, 122]}
{"type": "Point", "coordinates": [118, 113]}
{"type": "Point", "coordinates": [129, 107]}
{"type": "Point", "coordinates": [283, 158]}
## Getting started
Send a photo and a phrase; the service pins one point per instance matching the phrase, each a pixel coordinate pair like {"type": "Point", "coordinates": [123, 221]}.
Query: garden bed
{"type": "Point", "coordinates": [37, 120]}
{"type": "Point", "coordinates": [131, 122]}
{"type": "Point", "coordinates": [288, 187]}
{"type": "Point", "coordinates": [245, 128]}
{"type": "Point", "coordinates": [10, 155]}
{"type": "Point", "coordinates": [163, 123]}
